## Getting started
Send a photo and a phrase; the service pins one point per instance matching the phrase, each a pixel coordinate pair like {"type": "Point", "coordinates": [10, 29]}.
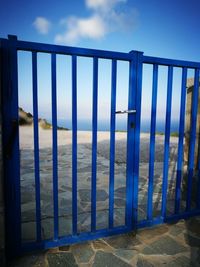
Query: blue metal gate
{"type": "Point", "coordinates": [9, 83]}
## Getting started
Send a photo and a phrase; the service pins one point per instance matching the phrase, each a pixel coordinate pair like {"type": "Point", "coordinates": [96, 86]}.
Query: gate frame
{"type": "Point", "coordinates": [10, 136]}
{"type": "Point", "coordinates": [11, 163]}
{"type": "Point", "coordinates": [10, 144]}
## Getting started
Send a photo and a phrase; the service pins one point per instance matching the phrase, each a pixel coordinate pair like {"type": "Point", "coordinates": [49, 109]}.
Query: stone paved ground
{"type": "Point", "coordinates": [169, 245]}
{"type": "Point", "coordinates": [84, 184]}
{"type": "Point", "coordinates": [166, 245]}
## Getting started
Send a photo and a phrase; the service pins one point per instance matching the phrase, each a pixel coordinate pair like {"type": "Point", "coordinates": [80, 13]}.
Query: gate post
{"type": "Point", "coordinates": [133, 140]}
{"type": "Point", "coordinates": [10, 139]}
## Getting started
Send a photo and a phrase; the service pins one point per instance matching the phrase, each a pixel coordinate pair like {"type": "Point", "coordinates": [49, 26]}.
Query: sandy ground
{"type": "Point", "coordinates": [84, 137]}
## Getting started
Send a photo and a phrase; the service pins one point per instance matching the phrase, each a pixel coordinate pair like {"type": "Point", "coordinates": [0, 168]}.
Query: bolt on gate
{"type": "Point", "coordinates": [11, 144]}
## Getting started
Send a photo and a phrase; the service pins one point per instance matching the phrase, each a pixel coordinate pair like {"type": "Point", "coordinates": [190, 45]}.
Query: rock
{"type": "Point", "coordinates": [26, 118]}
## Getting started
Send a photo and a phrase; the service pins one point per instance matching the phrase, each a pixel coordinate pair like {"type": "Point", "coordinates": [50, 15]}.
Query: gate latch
{"type": "Point", "coordinates": [131, 111]}
{"type": "Point", "coordinates": [11, 139]}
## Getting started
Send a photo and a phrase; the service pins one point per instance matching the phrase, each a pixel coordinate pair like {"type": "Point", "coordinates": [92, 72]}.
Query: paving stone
{"type": "Point", "coordinates": [120, 192]}
{"type": "Point", "coordinates": [125, 254]}
{"type": "Point", "coordinates": [28, 231]}
{"type": "Point", "coordinates": [108, 260]}
{"type": "Point", "coordinates": [85, 195]}
{"type": "Point", "coordinates": [100, 244]}
{"type": "Point", "coordinates": [148, 234]}
{"type": "Point", "coordinates": [83, 252]}
{"type": "Point", "coordinates": [119, 202]}
{"type": "Point", "coordinates": [164, 245]}
{"type": "Point", "coordinates": [142, 262]}
{"type": "Point", "coordinates": [181, 261]}
{"type": "Point", "coordinates": [61, 260]}
{"type": "Point", "coordinates": [175, 230]}
{"type": "Point", "coordinates": [126, 241]}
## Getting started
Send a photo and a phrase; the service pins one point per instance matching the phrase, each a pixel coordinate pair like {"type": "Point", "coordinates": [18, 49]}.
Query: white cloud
{"type": "Point", "coordinates": [105, 18]}
{"type": "Point", "coordinates": [42, 25]}
{"type": "Point", "coordinates": [92, 27]}
{"type": "Point", "coordinates": [104, 5]}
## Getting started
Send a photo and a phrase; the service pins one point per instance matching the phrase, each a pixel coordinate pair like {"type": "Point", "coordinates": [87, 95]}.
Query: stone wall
{"type": "Point", "coordinates": [190, 87]}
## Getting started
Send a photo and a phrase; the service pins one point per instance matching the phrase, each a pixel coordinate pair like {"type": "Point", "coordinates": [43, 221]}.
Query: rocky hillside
{"type": "Point", "coordinates": [26, 118]}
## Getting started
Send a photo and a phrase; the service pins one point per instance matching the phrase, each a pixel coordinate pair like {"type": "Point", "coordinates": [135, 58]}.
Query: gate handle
{"type": "Point", "coordinates": [131, 111]}
{"type": "Point", "coordinates": [11, 139]}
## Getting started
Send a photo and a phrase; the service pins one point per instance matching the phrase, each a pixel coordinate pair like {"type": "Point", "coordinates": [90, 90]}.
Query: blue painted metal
{"type": "Point", "coordinates": [152, 142]}
{"type": "Point", "coordinates": [36, 146]}
{"type": "Point", "coordinates": [74, 145]}
{"type": "Point", "coordinates": [168, 219]}
{"type": "Point", "coordinates": [181, 139]}
{"type": "Point", "coordinates": [72, 239]}
{"type": "Point", "coordinates": [136, 60]}
{"type": "Point", "coordinates": [167, 141]}
{"type": "Point", "coordinates": [112, 143]}
{"type": "Point", "coordinates": [11, 161]}
{"type": "Point", "coordinates": [170, 62]}
{"type": "Point", "coordinates": [55, 145]}
{"type": "Point", "coordinates": [195, 95]}
{"type": "Point", "coordinates": [94, 143]}
{"type": "Point", "coordinates": [130, 143]}
{"type": "Point", "coordinates": [67, 50]}
{"type": "Point", "coordinates": [198, 170]}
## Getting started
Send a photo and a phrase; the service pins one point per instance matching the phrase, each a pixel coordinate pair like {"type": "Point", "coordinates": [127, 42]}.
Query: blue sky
{"type": "Point", "coordinates": [159, 28]}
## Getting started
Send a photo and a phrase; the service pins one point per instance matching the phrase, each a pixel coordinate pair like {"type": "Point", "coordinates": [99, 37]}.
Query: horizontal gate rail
{"type": "Point", "coordinates": [72, 239]}
{"type": "Point", "coordinates": [171, 62]}
{"type": "Point", "coordinates": [67, 50]}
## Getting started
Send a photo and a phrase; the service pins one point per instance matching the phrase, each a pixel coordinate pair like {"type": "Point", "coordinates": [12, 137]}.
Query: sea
{"type": "Point", "coordinates": [104, 125]}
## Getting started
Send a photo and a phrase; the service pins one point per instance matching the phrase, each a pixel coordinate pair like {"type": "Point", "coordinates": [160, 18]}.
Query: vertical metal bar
{"type": "Point", "coordinates": [198, 170]}
{"type": "Point", "coordinates": [191, 155]}
{"type": "Point", "coordinates": [112, 143]}
{"type": "Point", "coordinates": [94, 143]}
{"type": "Point", "coordinates": [133, 138]}
{"type": "Point", "coordinates": [74, 144]}
{"type": "Point", "coordinates": [36, 146]}
{"type": "Point", "coordinates": [152, 142]}
{"type": "Point", "coordinates": [9, 93]}
{"type": "Point", "coordinates": [55, 145]}
{"type": "Point", "coordinates": [167, 141]}
{"type": "Point", "coordinates": [180, 142]}
{"type": "Point", "coordinates": [130, 146]}
{"type": "Point", "coordinates": [138, 99]}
